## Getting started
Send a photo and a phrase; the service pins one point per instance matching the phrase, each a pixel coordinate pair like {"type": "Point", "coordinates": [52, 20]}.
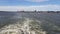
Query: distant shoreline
{"type": "Point", "coordinates": [33, 11]}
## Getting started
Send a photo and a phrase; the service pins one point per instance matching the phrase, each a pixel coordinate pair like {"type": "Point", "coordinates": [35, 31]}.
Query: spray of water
{"type": "Point", "coordinates": [28, 26]}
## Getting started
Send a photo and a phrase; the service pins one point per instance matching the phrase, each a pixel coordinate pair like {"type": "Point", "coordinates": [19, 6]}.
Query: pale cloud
{"type": "Point", "coordinates": [31, 8]}
{"type": "Point", "coordinates": [36, 0]}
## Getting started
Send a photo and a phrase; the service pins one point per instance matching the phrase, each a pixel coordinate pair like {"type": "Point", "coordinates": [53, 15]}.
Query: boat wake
{"type": "Point", "coordinates": [26, 26]}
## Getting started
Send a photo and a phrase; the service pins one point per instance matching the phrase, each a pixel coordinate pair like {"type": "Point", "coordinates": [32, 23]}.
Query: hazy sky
{"type": "Point", "coordinates": [43, 5]}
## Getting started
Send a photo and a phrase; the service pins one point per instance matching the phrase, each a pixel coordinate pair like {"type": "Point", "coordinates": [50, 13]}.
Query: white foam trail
{"type": "Point", "coordinates": [29, 26]}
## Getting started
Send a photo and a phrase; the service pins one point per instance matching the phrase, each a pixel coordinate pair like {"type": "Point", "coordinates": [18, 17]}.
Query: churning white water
{"type": "Point", "coordinates": [28, 26]}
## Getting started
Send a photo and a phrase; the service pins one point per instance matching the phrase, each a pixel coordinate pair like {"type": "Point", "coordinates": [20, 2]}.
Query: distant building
{"type": "Point", "coordinates": [35, 11]}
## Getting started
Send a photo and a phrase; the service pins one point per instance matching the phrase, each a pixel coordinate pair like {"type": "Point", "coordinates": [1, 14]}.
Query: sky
{"type": "Point", "coordinates": [29, 5]}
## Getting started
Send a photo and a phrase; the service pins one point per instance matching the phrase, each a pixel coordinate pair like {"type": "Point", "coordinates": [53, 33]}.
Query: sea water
{"type": "Point", "coordinates": [30, 23]}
